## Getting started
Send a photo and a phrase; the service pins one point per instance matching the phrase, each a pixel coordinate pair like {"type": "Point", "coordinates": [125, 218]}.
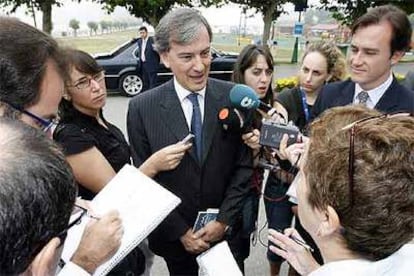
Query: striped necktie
{"type": "Point", "coordinates": [196, 124]}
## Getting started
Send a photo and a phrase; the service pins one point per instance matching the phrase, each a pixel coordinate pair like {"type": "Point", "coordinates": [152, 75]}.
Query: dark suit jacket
{"type": "Point", "coordinates": [155, 120]}
{"type": "Point", "coordinates": [397, 98]}
{"type": "Point", "coordinates": [152, 59]}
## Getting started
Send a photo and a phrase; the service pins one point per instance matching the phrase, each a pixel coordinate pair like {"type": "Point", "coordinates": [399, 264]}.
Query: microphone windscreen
{"type": "Point", "coordinates": [231, 119]}
{"type": "Point", "coordinates": [243, 96]}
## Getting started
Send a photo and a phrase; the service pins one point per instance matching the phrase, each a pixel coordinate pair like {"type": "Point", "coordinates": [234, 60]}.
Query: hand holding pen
{"type": "Point", "coordinates": [291, 247]}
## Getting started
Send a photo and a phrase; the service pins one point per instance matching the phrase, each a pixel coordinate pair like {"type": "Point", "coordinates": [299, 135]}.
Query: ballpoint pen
{"type": "Point", "coordinates": [298, 241]}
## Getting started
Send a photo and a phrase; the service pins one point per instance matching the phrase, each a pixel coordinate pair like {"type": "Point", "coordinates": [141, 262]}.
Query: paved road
{"type": "Point", "coordinates": [115, 111]}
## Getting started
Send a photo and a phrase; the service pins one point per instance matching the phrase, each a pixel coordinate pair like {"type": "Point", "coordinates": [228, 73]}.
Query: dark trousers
{"type": "Point", "coordinates": [149, 76]}
{"type": "Point", "coordinates": [184, 264]}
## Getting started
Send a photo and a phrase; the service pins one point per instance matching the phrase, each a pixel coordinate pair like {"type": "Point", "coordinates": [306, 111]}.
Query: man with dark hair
{"type": "Point", "coordinates": [150, 60]}
{"type": "Point", "coordinates": [380, 39]}
{"type": "Point", "coordinates": [37, 194]}
{"type": "Point", "coordinates": [31, 87]}
{"type": "Point", "coordinates": [216, 171]}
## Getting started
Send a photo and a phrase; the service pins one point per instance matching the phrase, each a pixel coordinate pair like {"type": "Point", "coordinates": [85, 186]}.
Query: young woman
{"type": "Point", "coordinates": [254, 68]}
{"type": "Point", "coordinates": [322, 62]}
{"type": "Point", "coordinates": [95, 148]}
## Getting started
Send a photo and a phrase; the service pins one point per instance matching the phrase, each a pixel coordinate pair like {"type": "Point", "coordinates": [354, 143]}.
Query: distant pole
{"type": "Point", "coordinates": [296, 47]}
{"type": "Point", "coordinates": [238, 37]}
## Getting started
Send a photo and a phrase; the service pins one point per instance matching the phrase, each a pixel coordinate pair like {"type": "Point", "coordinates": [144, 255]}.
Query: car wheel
{"type": "Point", "coordinates": [131, 84]}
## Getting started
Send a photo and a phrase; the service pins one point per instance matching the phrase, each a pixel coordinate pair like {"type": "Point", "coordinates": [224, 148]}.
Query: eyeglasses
{"type": "Point", "coordinates": [351, 157]}
{"type": "Point", "coordinates": [43, 124]}
{"type": "Point", "coordinates": [77, 214]}
{"type": "Point", "coordinates": [86, 81]}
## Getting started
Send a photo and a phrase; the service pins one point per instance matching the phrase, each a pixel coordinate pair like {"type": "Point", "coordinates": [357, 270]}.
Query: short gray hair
{"type": "Point", "coordinates": [180, 26]}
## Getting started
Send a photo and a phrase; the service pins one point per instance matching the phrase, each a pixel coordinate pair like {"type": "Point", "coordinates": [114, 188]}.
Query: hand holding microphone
{"type": "Point", "coordinates": [244, 97]}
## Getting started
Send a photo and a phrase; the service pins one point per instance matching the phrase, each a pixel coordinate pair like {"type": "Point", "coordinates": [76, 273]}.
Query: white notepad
{"type": "Point", "coordinates": [142, 203]}
{"type": "Point", "coordinates": [218, 261]}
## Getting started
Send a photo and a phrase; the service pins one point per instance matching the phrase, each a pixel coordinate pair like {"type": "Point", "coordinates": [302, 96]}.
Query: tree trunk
{"type": "Point", "coordinates": [267, 19]}
{"type": "Point", "coordinates": [46, 8]}
{"type": "Point", "coordinates": [32, 11]}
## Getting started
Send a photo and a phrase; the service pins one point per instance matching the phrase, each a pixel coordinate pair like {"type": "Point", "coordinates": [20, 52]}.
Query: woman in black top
{"type": "Point", "coordinates": [322, 62]}
{"type": "Point", "coordinates": [254, 67]}
{"type": "Point", "coordinates": [95, 148]}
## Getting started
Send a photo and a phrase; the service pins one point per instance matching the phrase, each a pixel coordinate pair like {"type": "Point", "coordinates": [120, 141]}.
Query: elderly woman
{"type": "Point", "coordinates": [356, 195]}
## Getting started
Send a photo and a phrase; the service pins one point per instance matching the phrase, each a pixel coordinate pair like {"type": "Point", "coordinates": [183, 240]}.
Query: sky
{"type": "Point", "coordinates": [89, 11]}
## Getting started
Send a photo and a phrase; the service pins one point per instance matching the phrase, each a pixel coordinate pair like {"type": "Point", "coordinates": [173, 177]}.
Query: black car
{"type": "Point", "coordinates": [122, 68]}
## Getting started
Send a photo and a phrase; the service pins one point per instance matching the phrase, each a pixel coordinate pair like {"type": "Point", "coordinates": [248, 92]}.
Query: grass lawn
{"type": "Point", "coordinates": [226, 42]}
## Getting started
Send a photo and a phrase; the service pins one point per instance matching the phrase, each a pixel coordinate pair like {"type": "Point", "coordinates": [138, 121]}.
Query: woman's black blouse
{"type": "Point", "coordinates": [82, 132]}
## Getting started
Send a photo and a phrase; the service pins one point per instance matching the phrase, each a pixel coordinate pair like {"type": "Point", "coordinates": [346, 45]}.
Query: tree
{"type": "Point", "coordinates": [93, 27]}
{"type": "Point", "coordinates": [74, 24]}
{"type": "Point", "coordinates": [104, 26]}
{"type": "Point", "coordinates": [45, 6]}
{"type": "Point", "coordinates": [270, 10]}
{"type": "Point", "coordinates": [153, 11]}
{"type": "Point", "coordinates": [315, 16]}
{"type": "Point", "coordinates": [347, 11]}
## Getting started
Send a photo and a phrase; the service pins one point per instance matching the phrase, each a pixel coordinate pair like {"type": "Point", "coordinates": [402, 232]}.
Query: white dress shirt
{"type": "Point", "coordinates": [374, 94]}
{"type": "Point", "coordinates": [143, 45]}
{"type": "Point", "coordinates": [186, 104]}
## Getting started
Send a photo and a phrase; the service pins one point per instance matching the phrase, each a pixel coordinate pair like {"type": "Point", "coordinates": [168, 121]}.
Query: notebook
{"type": "Point", "coordinates": [142, 203]}
{"type": "Point", "coordinates": [205, 217]}
{"type": "Point", "coordinates": [218, 261]}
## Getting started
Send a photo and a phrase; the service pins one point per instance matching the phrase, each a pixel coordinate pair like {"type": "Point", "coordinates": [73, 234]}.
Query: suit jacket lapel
{"type": "Point", "coordinates": [172, 113]}
{"type": "Point", "coordinates": [212, 105]}
{"type": "Point", "coordinates": [347, 94]}
{"type": "Point", "coordinates": [389, 99]}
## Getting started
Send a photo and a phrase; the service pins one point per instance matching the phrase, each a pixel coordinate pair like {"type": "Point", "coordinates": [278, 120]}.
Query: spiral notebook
{"type": "Point", "coordinates": [142, 203]}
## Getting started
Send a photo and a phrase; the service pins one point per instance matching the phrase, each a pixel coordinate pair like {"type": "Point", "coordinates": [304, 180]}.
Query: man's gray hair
{"type": "Point", "coordinates": [179, 26]}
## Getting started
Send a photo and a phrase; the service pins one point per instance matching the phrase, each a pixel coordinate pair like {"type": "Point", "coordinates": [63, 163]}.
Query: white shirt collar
{"type": "Point", "coordinates": [186, 104]}
{"type": "Point", "coordinates": [374, 94]}
{"type": "Point", "coordinates": [182, 93]}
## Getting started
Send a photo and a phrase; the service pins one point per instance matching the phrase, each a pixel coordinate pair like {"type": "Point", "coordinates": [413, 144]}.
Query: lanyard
{"type": "Point", "coordinates": [305, 106]}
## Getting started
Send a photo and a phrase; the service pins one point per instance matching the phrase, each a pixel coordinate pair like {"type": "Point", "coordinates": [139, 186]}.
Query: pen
{"type": "Point", "coordinates": [92, 216]}
{"type": "Point", "coordinates": [298, 241]}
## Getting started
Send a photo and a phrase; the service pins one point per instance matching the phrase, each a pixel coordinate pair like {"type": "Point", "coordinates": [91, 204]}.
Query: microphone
{"type": "Point", "coordinates": [243, 96]}
{"type": "Point", "coordinates": [232, 119]}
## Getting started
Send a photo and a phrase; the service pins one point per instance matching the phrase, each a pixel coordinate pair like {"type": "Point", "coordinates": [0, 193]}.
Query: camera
{"type": "Point", "coordinates": [272, 132]}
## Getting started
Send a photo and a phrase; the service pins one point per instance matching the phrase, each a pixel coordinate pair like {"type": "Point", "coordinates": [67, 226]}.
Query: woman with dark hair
{"type": "Point", "coordinates": [95, 148]}
{"type": "Point", "coordinates": [254, 68]}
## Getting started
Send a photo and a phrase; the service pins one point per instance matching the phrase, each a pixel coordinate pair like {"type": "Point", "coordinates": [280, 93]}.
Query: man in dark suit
{"type": "Point", "coordinates": [150, 60]}
{"type": "Point", "coordinates": [216, 171]}
{"type": "Point", "coordinates": [380, 39]}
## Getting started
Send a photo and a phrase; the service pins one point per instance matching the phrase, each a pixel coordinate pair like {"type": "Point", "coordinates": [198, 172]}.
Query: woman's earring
{"type": "Point", "coordinates": [66, 97]}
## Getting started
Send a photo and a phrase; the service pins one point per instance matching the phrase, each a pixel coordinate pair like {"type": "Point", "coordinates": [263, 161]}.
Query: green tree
{"type": "Point", "coordinates": [270, 10]}
{"type": "Point", "coordinates": [104, 26]}
{"type": "Point", "coordinates": [45, 6]}
{"type": "Point", "coordinates": [347, 11]}
{"type": "Point", "coordinates": [153, 11]}
{"type": "Point", "coordinates": [93, 27]}
{"type": "Point", "coordinates": [315, 16]}
{"type": "Point", "coordinates": [74, 24]}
